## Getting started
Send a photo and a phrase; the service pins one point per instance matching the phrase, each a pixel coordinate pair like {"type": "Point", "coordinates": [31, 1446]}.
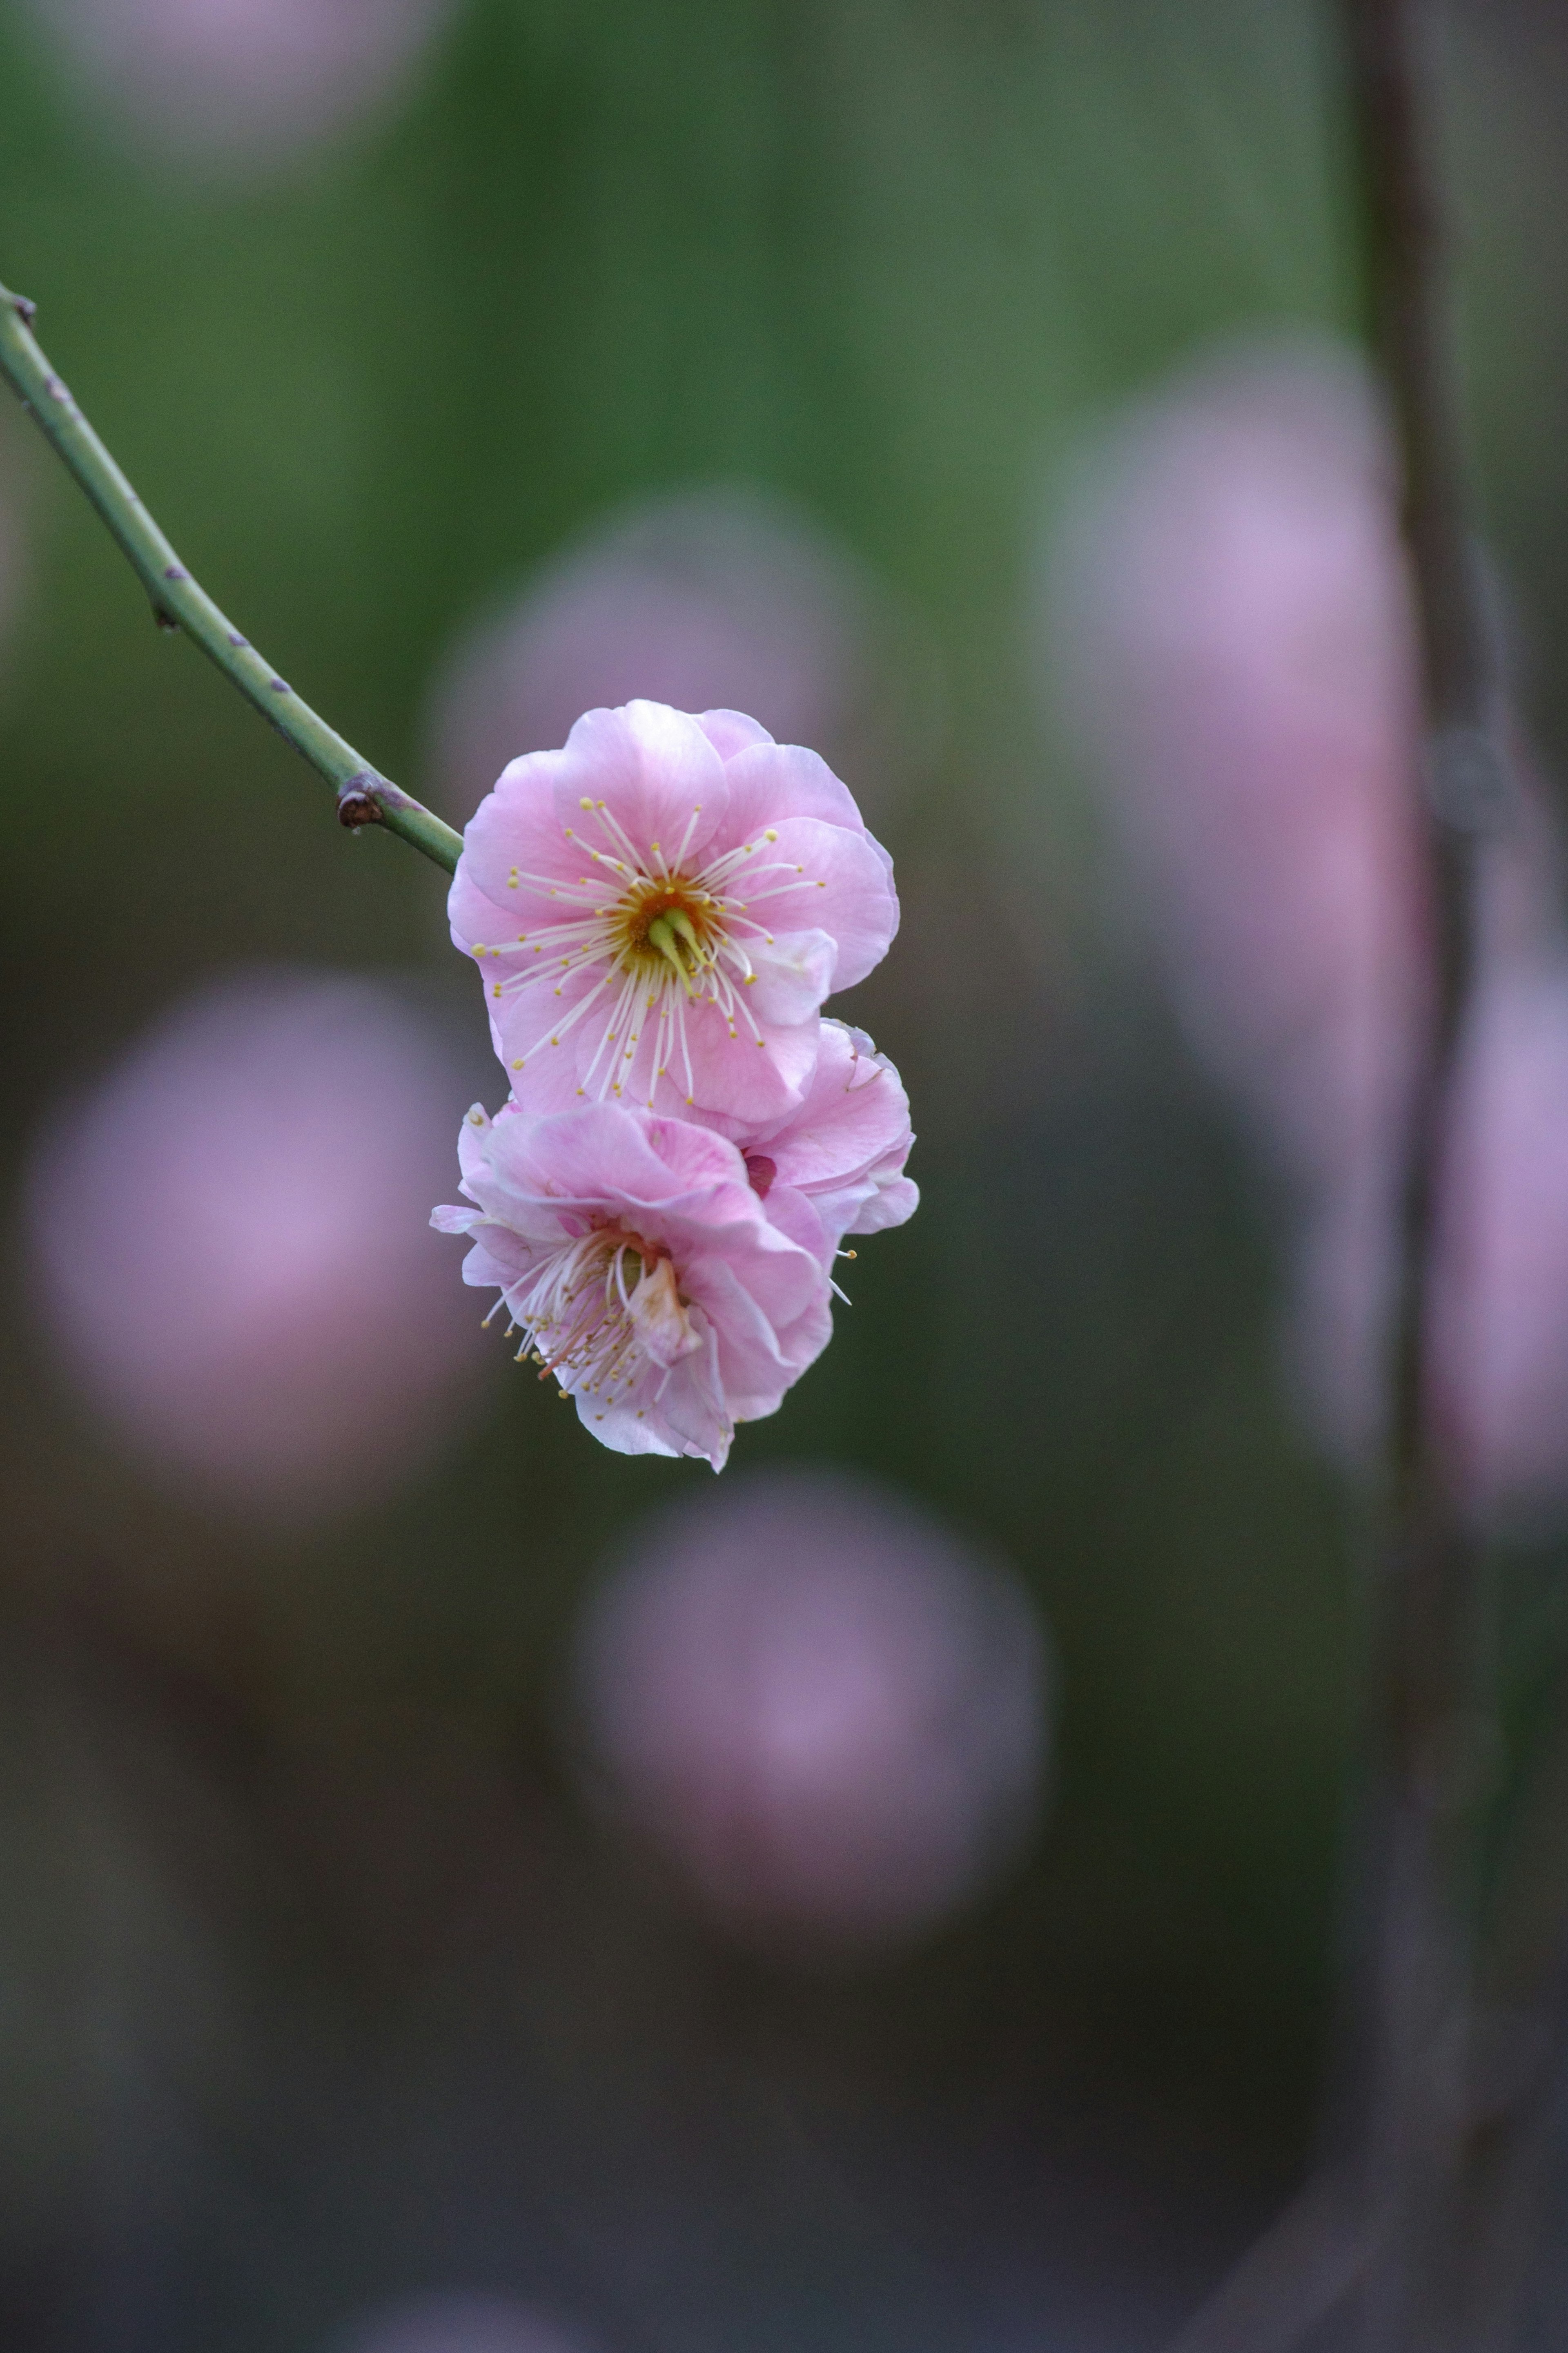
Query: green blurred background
{"type": "Point", "coordinates": [317, 1983]}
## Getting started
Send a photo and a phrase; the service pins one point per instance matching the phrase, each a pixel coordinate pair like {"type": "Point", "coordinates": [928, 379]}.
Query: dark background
{"type": "Point", "coordinates": [317, 1984]}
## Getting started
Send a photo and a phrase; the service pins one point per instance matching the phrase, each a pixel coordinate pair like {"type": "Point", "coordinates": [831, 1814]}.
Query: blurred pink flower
{"type": "Point", "coordinates": [643, 1272]}
{"type": "Point", "coordinates": [456, 2323]}
{"type": "Point", "coordinates": [235, 83]}
{"type": "Point", "coordinates": [720, 597]}
{"type": "Point", "coordinates": [694, 887]}
{"type": "Point", "coordinates": [1231, 594]}
{"type": "Point", "coordinates": [825, 1711]}
{"type": "Point", "coordinates": [1231, 623]}
{"type": "Point", "coordinates": [845, 1145]}
{"type": "Point", "coordinates": [230, 1249]}
{"type": "Point", "coordinates": [1503, 1269]}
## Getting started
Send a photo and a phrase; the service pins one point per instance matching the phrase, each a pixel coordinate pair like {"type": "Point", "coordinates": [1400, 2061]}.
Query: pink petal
{"type": "Point", "coordinates": [854, 1112]}
{"type": "Point", "coordinates": [795, 972]}
{"type": "Point", "coordinates": [843, 888]}
{"type": "Point", "coordinates": [661, 778]}
{"type": "Point", "coordinates": [514, 830]}
{"type": "Point", "coordinates": [729, 732]}
{"type": "Point", "coordinates": [769, 781]}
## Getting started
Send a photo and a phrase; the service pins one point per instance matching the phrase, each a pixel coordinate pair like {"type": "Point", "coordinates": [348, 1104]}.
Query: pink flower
{"type": "Point", "coordinates": [659, 910]}
{"type": "Point", "coordinates": [230, 1251]}
{"type": "Point", "coordinates": [721, 595]}
{"type": "Point", "coordinates": [843, 1146]}
{"type": "Point", "coordinates": [827, 1714]}
{"type": "Point", "coordinates": [1502, 1296]}
{"type": "Point", "coordinates": [1234, 632]}
{"type": "Point", "coordinates": [232, 84]}
{"type": "Point", "coordinates": [643, 1272]}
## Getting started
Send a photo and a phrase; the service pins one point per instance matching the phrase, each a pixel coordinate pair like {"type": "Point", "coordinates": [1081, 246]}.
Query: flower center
{"type": "Point", "coordinates": [669, 942]}
{"type": "Point", "coordinates": [668, 923]}
{"type": "Point", "coordinates": [600, 1311]}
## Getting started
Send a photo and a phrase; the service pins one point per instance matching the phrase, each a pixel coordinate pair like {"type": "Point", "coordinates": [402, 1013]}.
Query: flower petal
{"type": "Point", "coordinates": [657, 774]}
{"type": "Point", "coordinates": [794, 972]}
{"type": "Point", "coordinates": [769, 781]}
{"type": "Point", "coordinates": [729, 732]}
{"type": "Point", "coordinates": [823, 878]}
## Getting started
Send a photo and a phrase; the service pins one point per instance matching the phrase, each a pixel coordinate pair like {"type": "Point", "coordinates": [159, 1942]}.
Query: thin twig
{"type": "Point", "coordinates": [1428, 1676]}
{"type": "Point", "coordinates": [364, 795]}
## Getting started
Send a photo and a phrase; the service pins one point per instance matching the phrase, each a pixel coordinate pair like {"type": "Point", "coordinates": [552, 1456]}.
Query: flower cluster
{"type": "Point", "coordinates": [658, 911]}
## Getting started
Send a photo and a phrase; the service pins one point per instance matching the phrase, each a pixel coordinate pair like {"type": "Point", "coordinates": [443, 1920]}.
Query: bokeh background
{"type": "Point", "coordinates": [463, 1892]}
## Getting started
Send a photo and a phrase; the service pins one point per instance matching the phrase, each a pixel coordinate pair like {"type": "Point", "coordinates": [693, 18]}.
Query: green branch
{"type": "Point", "coordinates": [364, 795]}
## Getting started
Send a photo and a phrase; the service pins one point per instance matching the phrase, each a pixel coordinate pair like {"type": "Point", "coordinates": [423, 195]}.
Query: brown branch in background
{"type": "Point", "coordinates": [1428, 1680]}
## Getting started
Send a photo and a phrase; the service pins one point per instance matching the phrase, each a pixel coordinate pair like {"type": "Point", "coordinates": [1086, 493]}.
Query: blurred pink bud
{"type": "Point", "coordinates": [1231, 618]}
{"type": "Point", "coordinates": [456, 2323]}
{"type": "Point", "coordinates": [724, 598]}
{"type": "Point", "coordinates": [1502, 1282]}
{"type": "Point", "coordinates": [230, 1243]}
{"type": "Point", "coordinates": [825, 1711]}
{"type": "Point", "coordinates": [233, 83]}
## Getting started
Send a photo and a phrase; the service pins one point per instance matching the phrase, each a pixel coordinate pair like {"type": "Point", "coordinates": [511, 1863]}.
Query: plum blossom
{"type": "Point", "coordinates": [718, 595]}
{"type": "Point", "coordinates": [843, 1147]}
{"type": "Point", "coordinates": [826, 1713]}
{"type": "Point", "coordinates": [1501, 1300]}
{"type": "Point", "coordinates": [643, 1270]}
{"type": "Point", "coordinates": [235, 85]}
{"type": "Point", "coordinates": [1233, 632]}
{"type": "Point", "coordinates": [1232, 600]}
{"type": "Point", "coordinates": [228, 1236]}
{"type": "Point", "coordinates": [659, 910]}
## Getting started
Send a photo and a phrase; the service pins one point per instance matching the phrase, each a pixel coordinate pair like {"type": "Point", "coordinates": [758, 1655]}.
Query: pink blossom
{"type": "Point", "coordinates": [643, 1271]}
{"type": "Point", "coordinates": [237, 83]}
{"type": "Point", "coordinates": [229, 1243]}
{"type": "Point", "coordinates": [843, 1146]}
{"type": "Point", "coordinates": [1233, 626]}
{"type": "Point", "coordinates": [659, 910]}
{"type": "Point", "coordinates": [1501, 1295]}
{"type": "Point", "coordinates": [823, 1710]}
{"type": "Point", "coordinates": [721, 595]}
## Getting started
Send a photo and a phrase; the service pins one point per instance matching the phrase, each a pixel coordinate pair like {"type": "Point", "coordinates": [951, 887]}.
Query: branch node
{"type": "Point", "coordinates": [359, 801]}
{"type": "Point", "coordinates": [26, 311]}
